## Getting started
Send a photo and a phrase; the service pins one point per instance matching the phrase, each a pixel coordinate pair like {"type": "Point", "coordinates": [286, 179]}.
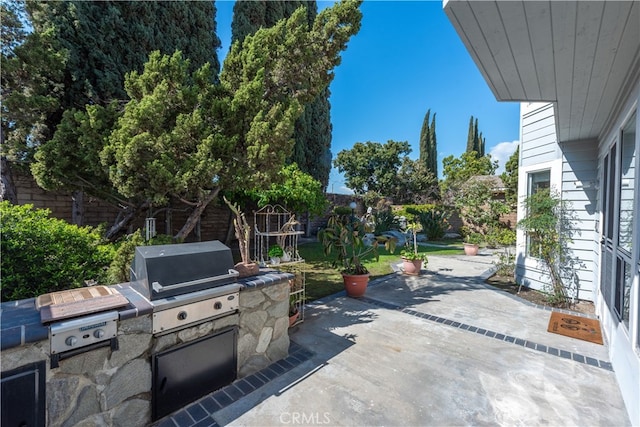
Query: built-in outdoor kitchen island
{"type": "Point", "coordinates": [130, 354]}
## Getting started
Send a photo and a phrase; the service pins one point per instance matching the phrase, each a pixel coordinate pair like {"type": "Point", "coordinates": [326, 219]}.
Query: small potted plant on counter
{"type": "Point", "coordinates": [343, 239]}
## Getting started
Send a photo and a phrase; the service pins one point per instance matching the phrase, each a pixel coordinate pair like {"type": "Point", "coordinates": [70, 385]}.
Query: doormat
{"type": "Point", "coordinates": [582, 328]}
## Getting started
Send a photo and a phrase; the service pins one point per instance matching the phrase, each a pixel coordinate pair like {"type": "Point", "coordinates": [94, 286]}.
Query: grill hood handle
{"type": "Point", "coordinates": [157, 287]}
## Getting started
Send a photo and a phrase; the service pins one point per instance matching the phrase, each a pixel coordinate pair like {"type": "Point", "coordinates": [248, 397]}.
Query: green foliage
{"type": "Point", "coordinates": [343, 239]}
{"type": "Point", "coordinates": [71, 159]}
{"type": "Point", "coordinates": [275, 251]}
{"type": "Point", "coordinates": [458, 170]}
{"type": "Point", "coordinates": [42, 254]}
{"type": "Point", "coordinates": [475, 141]}
{"type": "Point", "coordinates": [549, 224]}
{"type": "Point", "coordinates": [296, 190]}
{"type": "Point", "coordinates": [372, 166]}
{"type": "Point", "coordinates": [414, 183]}
{"type": "Point", "coordinates": [342, 210]}
{"type": "Point", "coordinates": [411, 212]}
{"type": "Point", "coordinates": [478, 209]}
{"type": "Point", "coordinates": [500, 236]}
{"type": "Point", "coordinates": [506, 264]}
{"type": "Point", "coordinates": [312, 133]}
{"type": "Point", "coordinates": [434, 223]}
{"type": "Point", "coordinates": [428, 144]}
{"type": "Point", "coordinates": [414, 256]}
{"type": "Point", "coordinates": [510, 178]}
{"type": "Point", "coordinates": [384, 220]}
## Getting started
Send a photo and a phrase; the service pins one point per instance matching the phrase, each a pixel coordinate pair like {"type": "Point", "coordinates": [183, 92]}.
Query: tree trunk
{"type": "Point", "coordinates": [129, 213]}
{"type": "Point", "coordinates": [7, 186]}
{"type": "Point", "coordinates": [77, 211]}
{"type": "Point", "coordinates": [191, 222]}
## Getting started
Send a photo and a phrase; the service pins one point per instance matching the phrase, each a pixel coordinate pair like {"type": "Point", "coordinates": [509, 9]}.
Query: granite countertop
{"type": "Point", "coordinates": [20, 321]}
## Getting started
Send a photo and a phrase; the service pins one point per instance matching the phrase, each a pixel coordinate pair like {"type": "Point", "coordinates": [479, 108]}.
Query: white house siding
{"type": "Point", "coordinates": [538, 139]}
{"type": "Point", "coordinates": [579, 190]}
{"type": "Point", "coordinates": [624, 343]}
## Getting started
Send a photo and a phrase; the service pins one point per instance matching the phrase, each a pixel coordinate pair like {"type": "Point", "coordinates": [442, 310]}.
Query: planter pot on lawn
{"type": "Point", "coordinates": [355, 285]}
{"type": "Point", "coordinates": [411, 267]}
{"type": "Point", "coordinates": [471, 249]}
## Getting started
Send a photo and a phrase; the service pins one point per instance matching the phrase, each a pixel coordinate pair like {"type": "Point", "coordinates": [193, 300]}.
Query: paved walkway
{"type": "Point", "coordinates": [439, 349]}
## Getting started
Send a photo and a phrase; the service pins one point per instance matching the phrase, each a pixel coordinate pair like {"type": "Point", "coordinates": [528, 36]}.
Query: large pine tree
{"type": "Point", "coordinates": [312, 150]}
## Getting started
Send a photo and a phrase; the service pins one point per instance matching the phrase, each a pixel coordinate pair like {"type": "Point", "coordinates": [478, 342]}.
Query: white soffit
{"type": "Point", "coordinates": [583, 55]}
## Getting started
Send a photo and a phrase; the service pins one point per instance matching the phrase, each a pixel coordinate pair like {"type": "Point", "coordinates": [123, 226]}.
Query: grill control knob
{"type": "Point", "coordinates": [98, 333]}
{"type": "Point", "coordinates": [71, 341]}
{"type": "Point", "coordinates": [217, 305]}
{"type": "Point", "coordinates": [182, 315]}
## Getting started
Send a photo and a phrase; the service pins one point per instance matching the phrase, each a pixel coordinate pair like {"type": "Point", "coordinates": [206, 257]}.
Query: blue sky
{"type": "Point", "coordinates": [406, 59]}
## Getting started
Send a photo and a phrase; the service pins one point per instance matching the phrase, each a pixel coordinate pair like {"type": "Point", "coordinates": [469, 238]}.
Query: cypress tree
{"type": "Point", "coordinates": [433, 148]}
{"type": "Point", "coordinates": [470, 136]}
{"type": "Point", "coordinates": [312, 134]}
{"type": "Point", "coordinates": [425, 140]}
{"type": "Point", "coordinates": [428, 149]}
{"type": "Point", "coordinates": [475, 140]}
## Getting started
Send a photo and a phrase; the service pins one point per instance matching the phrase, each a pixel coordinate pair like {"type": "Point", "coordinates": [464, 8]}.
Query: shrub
{"type": "Point", "coordinates": [434, 223]}
{"type": "Point", "coordinates": [384, 221]}
{"type": "Point", "coordinates": [42, 254]}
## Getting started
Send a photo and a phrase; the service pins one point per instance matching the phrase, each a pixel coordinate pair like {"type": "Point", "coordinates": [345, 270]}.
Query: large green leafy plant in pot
{"type": "Point", "coordinates": [344, 240]}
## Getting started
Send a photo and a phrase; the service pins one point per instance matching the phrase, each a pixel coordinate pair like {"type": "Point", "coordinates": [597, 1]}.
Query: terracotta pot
{"type": "Point", "coordinates": [412, 267]}
{"type": "Point", "coordinates": [355, 285]}
{"type": "Point", "coordinates": [471, 249]}
{"type": "Point", "coordinates": [293, 318]}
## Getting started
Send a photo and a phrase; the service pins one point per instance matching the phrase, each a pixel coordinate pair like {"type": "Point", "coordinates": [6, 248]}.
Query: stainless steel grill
{"type": "Point", "coordinates": [189, 284]}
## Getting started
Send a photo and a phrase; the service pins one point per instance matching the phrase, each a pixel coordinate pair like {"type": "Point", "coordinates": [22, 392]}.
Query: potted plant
{"type": "Point", "coordinates": [412, 260]}
{"type": "Point", "coordinates": [275, 253]}
{"type": "Point", "coordinates": [472, 243]}
{"type": "Point", "coordinates": [343, 239]}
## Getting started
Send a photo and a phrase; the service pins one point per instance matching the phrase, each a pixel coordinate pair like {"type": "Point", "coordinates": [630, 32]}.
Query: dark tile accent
{"type": "Point", "coordinates": [464, 326]}
{"type": "Point", "coordinates": [167, 422]}
{"type": "Point", "coordinates": [222, 398]}
{"type": "Point", "coordinates": [472, 329]}
{"type": "Point", "coordinates": [264, 378]}
{"type": "Point", "coordinates": [606, 365]}
{"type": "Point", "coordinates": [234, 392]}
{"type": "Point", "coordinates": [448, 322]}
{"type": "Point", "coordinates": [509, 338]}
{"type": "Point", "coordinates": [245, 386]}
{"type": "Point", "coordinates": [591, 361]}
{"type": "Point", "coordinates": [286, 364]}
{"type": "Point", "coordinates": [269, 373]}
{"type": "Point", "coordinates": [207, 422]}
{"type": "Point", "coordinates": [500, 336]}
{"type": "Point", "coordinates": [278, 368]}
{"type": "Point", "coordinates": [182, 418]}
{"type": "Point", "coordinates": [255, 380]}
{"type": "Point", "coordinates": [520, 341]}
{"type": "Point", "coordinates": [11, 337]}
{"type": "Point", "coordinates": [565, 354]}
{"type": "Point", "coordinates": [456, 324]}
{"type": "Point", "coordinates": [553, 350]}
{"type": "Point", "coordinates": [210, 404]}
{"type": "Point", "coordinates": [481, 331]}
{"type": "Point", "coordinates": [197, 412]}
{"type": "Point", "coordinates": [439, 320]}
{"type": "Point", "coordinates": [530, 344]}
{"type": "Point", "coordinates": [578, 358]}
{"type": "Point", "coordinates": [490, 334]}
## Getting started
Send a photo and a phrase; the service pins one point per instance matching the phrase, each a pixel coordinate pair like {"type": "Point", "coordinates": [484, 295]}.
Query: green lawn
{"type": "Point", "coordinates": [323, 279]}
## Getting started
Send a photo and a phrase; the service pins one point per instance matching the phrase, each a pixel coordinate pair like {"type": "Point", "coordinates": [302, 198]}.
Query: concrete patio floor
{"type": "Point", "coordinates": [435, 350]}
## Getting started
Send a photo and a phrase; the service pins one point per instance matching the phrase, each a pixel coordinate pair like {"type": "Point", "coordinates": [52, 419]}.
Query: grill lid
{"type": "Point", "coordinates": [169, 270]}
